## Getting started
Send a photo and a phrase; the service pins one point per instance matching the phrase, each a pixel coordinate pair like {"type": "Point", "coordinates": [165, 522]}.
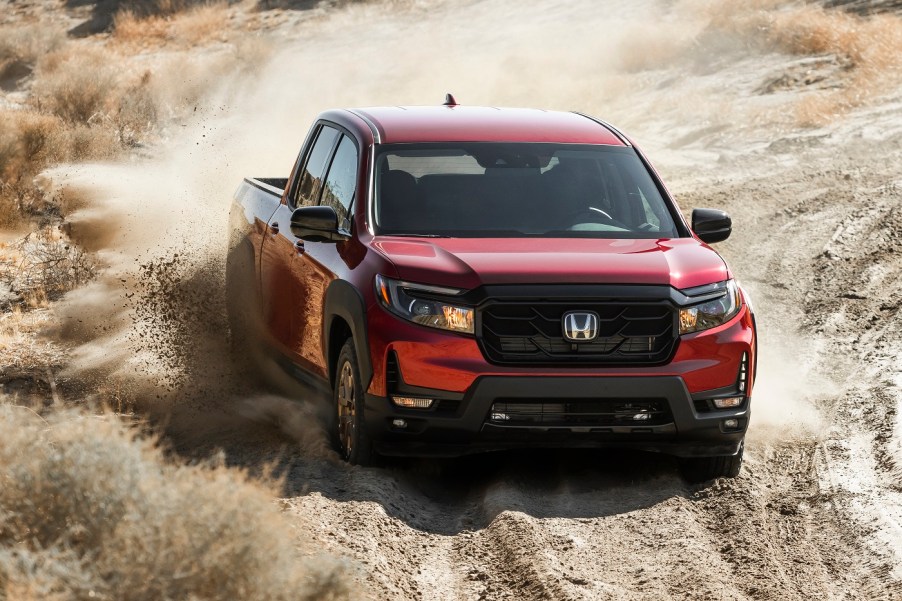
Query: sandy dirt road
{"type": "Point", "coordinates": [817, 209]}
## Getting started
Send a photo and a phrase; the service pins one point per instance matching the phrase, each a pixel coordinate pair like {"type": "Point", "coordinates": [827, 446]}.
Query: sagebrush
{"type": "Point", "coordinates": [88, 510]}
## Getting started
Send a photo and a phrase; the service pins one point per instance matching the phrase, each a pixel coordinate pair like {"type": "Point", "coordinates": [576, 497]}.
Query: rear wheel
{"type": "Point", "coordinates": [702, 469]}
{"type": "Point", "coordinates": [349, 430]}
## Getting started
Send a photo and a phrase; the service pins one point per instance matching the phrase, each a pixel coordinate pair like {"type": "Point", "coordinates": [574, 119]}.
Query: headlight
{"type": "Point", "coordinates": [712, 313]}
{"type": "Point", "coordinates": [401, 298]}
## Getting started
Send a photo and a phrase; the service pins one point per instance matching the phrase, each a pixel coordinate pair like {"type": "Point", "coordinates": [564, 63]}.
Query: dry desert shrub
{"type": "Point", "coordinates": [89, 142]}
{"type": "Point", "coordinates": [79, 86]}
{"type": "Point", "coordinates": [30, 141]}
{"type": "Point", "coordinates": [26, 142]}
{"type": "Point", "coordinates": [137, 111]}
{"type": "Point", "coordinates": [43, 266]}
{"type": "Point", "coordinates": [90, 511]}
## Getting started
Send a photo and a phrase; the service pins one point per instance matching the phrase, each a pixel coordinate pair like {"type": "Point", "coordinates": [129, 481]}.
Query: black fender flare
{"type": "Point", "coordinates": [345, 301]}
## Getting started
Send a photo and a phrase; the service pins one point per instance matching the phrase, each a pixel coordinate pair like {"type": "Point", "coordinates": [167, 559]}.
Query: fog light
{"type": "Point", "coordinates": [401, 423]}
{"type": "Point", "coordinates": [499, 417]}
{"type": "Point", "coordinates": [730, 424]}
{"type": "Point", "coordinates": [640, 417]}
{"type": "Point", "coordinates": [412, 402]}
{"type": "Point", "coordinates": [727, 403]}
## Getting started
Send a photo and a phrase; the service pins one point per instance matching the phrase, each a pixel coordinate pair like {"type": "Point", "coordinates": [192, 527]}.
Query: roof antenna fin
{"type": "Point", "coordinates": [449, 100]}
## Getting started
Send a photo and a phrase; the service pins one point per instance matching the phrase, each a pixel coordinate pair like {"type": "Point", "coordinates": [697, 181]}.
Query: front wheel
{"type": "Point", "coordinates": [702, 469]}
{"type": "Point", "coordinates": [349, 429]}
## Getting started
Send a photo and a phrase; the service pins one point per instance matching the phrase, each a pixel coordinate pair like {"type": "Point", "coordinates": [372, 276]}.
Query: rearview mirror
{"type": "Point", "coordinates": [711, 225]}
{"type": "Point", "coordinates": [317, 224]}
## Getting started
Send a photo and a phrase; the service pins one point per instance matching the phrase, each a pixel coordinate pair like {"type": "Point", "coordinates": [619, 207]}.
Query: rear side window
{"type": "Point", "coordinates": [341, 181]}
{"type": "Point", "coordinates": [306, 193]}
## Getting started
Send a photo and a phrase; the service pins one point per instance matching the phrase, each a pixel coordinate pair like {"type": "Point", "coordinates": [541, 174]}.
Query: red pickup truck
{"type": "Point", "coordinates": [463, 279]}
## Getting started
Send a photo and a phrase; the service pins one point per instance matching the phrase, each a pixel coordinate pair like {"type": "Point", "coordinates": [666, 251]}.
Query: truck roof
{"type": "Point", "coordinates": [408, 124]}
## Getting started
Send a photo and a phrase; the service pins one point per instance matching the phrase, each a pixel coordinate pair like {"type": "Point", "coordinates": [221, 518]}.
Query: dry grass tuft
{"type": "Point", "coordinates": [22, 350]}
{"type": "Point", "coordinates": [130, 28]}
{"type": "Point", "coordinates": [87, 510]}
{"type": "Point", "coordinates": [200, 24]}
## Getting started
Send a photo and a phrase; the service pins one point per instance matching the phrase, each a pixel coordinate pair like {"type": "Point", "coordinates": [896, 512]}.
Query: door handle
{"type": "Point", "coordinates": [299, 246]}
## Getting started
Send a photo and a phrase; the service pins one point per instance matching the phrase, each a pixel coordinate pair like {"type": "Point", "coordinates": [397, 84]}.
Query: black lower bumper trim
{"type": "Point", "coordinates": [469, 429]}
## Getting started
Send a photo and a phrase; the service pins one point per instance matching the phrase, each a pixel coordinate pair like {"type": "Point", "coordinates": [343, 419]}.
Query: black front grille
{"type": "Point", "coordinates": [580, 412]}
{"type": "Point", "coordinates": [527, 332]}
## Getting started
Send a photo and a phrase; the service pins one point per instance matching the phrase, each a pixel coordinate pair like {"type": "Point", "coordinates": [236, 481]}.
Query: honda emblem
{"type": "Point", "coordinates": [580, 326]}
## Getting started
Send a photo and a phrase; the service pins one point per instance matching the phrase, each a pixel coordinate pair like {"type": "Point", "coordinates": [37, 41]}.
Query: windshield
{"type": "Point", "coordinates": [484, 189]}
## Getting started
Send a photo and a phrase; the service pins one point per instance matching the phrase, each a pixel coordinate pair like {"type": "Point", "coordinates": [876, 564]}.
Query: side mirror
{"type": "Point", "coordinates": [711, 225]}
{"type": "Point", "coordinates": [317, 224]}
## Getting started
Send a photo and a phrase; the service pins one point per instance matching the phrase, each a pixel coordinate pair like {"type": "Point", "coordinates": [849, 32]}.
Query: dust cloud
{"type": "Point", "coordinates": [788, 385]}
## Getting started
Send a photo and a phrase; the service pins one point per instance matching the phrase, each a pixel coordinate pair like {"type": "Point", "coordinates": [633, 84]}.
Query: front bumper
{"type": "Point", "coordinates": [452, 368]}
{"type": "Point", "coordinates": [466, 428]}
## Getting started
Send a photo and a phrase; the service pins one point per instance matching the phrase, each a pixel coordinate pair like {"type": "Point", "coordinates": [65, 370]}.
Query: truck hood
{"type": "Point", "coordinates": [470, 262]}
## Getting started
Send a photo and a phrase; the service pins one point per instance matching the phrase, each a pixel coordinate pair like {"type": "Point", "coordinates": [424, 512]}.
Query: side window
{"type": "Point", "coordinates": [311, 176]}
{"type": "Point", "coordinates": [338, 191]}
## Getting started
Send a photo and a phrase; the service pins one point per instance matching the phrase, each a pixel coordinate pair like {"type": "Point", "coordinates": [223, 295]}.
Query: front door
{"type": "Point", "coordinates": [285, 270]}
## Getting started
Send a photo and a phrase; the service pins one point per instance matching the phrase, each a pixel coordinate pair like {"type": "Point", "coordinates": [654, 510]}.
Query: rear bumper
{"type": "Point", "coordinates": [465, 427]}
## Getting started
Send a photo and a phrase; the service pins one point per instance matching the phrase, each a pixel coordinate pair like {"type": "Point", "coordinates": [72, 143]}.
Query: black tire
{"type": "Point", "coordinates": [703, 469]}
{"type": "Point", "coordinates": [348, 430]}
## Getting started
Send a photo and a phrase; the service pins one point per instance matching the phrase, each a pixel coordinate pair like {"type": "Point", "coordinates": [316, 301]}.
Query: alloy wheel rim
{"type": "Point", "coordinates": [347, 411]}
